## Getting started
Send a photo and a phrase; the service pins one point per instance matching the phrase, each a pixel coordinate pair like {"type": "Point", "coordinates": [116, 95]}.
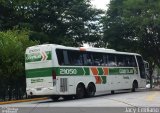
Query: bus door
{"type": "Point", "coordinates": [142, 74]}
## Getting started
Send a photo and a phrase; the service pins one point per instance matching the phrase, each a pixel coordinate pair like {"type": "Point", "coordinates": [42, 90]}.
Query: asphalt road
{"type": "Point", "coordinates": [121, 102]}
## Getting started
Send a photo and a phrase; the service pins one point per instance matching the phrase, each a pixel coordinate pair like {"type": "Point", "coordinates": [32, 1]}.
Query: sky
{"type": "Point", "coordinates": [100, 4]}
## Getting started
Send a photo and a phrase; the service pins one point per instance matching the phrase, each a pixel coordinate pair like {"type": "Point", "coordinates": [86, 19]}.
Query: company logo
{"type": "Point", "coordinates": [9, 110]}
{"type": "Point", "coordinates": [36, 80]}
{"type": "Point", "coordinates": [126, 71]}
{"type": "Point", "coordinates": [38, 56]}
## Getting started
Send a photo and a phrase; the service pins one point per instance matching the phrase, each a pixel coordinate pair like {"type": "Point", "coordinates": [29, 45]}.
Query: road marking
{"type": "Point", "coordinates": [123, 102]}
{"type": "Point", "coordinates": [152, 96]}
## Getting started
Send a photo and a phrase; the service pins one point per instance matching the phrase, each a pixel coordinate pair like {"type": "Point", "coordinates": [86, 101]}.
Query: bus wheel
{"type": "Point", "coordinates": [80, 91]}
{"type": "Point", "coordinates": [91, 89]}
{"type": "Point", "coordinates": [134, 86]}
{"type": "Point", "coordinates": [55, 98]}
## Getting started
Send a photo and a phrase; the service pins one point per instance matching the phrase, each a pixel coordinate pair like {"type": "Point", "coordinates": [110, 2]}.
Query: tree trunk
{"type": "Point", "coordinates": [10, 93]}
{"type": "Point", "coordinates": [151, 75]}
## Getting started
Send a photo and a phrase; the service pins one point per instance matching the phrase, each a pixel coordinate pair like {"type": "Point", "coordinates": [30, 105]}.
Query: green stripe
{"type": "Point", "coordinates": [76, 71]}
{"type": "Point", "coordinates": [60, 71]}
{"type": "Point", "coordinates": [87, 72]}
{"type": "Point", "coordinates": [113, 71]}
{"type": "Point", "coordinates": [43, 72]}
{"type": "Point", "coordinates": [121, 71]}
{"type": "Point", "coordinates": [72, 71]}
{"type": "Point", "coordinates": [104, 79]}
{"type": "Point", "coordinates": [100, 71]}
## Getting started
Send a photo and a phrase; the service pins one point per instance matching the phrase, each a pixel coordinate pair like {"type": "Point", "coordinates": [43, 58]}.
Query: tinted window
{"type": "Point", "coordinates": [105, 56]}
{"type": "Point", "coordinates": [88, 59]}
{"type": "Point", "coordinates": [130, 61]}
{"type": "Point", "coordinates": [141, 66]}
{"type": "Point", "coordinates": [75, 58]}
{"type": "Point", "coordinates": [78, 58]}
{"type": "Point", "coordinates": [69, 57]}
{"type": "Point", "coordinates": [60, 56]}
{"type": "Point", "coordinates": [120, 60]}
{"type": "Point", "coordinates": [111, 60]}
{"type": "Point", "coordinates": [98, 59]}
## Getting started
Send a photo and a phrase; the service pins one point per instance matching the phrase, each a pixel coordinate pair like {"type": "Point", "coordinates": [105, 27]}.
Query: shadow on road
{"type": "Point", "coordinates": [101, 95]}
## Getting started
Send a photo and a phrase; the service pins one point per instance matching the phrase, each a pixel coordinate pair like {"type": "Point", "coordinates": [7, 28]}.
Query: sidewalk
{"type": "Point", "coordinates": [24, 100]}
{"type": "Point", "coordinates": [156, 88]}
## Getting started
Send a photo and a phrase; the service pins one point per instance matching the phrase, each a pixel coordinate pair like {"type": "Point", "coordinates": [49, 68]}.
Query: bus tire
{"type": "Point", "coordinates": [134, 86]}
{"type": "Point", "coordinates": [55, 98]}
{"type": "Point", "coordinates": [91, 89]}
{"type": "Point", "coordinates": [80, 91]}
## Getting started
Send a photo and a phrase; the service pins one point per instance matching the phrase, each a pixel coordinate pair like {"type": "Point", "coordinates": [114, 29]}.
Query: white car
{"type": "Point", "coordinates": [149, 85]}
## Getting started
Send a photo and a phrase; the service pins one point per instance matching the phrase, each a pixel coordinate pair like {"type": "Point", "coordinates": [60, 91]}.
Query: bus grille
{"type": "Point", "coordinates": [63, 84]}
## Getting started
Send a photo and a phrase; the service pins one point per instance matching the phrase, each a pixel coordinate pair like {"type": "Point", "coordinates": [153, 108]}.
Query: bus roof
{"type": "Point", "coordinates": [92, 49]}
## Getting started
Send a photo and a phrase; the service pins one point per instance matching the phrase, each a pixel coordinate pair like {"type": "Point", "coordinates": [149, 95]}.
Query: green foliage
{"type": "Point", "coordinates": [58, 20]}
{"type": "Point", "coordinates": [134, 25]}
{"type": "Point", "coordinates": [12, 49]}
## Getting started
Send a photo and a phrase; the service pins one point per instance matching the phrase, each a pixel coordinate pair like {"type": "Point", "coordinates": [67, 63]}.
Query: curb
{"type": "Point", "coordinates": [26, 100]}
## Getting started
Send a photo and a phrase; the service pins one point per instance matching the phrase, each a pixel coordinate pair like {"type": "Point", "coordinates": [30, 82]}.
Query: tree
{"type": "Point", "coordinates": [68, 22]}
{"type": "Point", "coordinates": [134, 25]}
{"type": "Point", "coordinates": [12, 50]}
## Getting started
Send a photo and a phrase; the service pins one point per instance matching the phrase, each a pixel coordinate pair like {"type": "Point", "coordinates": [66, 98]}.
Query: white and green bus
{"type": "Point", "coordinates": [60, 71]}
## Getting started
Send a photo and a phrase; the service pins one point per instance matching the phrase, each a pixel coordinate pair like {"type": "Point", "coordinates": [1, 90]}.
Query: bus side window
{"type": "Point", "coordinates": [66, 61]}
{"type": "Point", "coordinates": [120, 60]}
{"type": "Point", "coordinates": [87, 58]}
{"type": "Point", "coordinates": [112, 60]}
{"type": "Point", "coordinates": [105, 57]}
{"type": "Point", "coordinates": [75, 58]}
{"type": "Point", "coordinates": [78, 58]}
{"type": "Point", "coordinates": [60, 56]}
{"type": "Point", "coordinates": [141, 67]}
{"type": "Point", "coordinates": [133, 61]}
{"type": "Point", "coordinates": [97, 59]}
{"type": "Point", "coordinates": [130, 61]}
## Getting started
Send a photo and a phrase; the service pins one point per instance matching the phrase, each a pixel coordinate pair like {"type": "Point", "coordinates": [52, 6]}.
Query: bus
{"type": "Point", "coordinates": [60, 71]}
